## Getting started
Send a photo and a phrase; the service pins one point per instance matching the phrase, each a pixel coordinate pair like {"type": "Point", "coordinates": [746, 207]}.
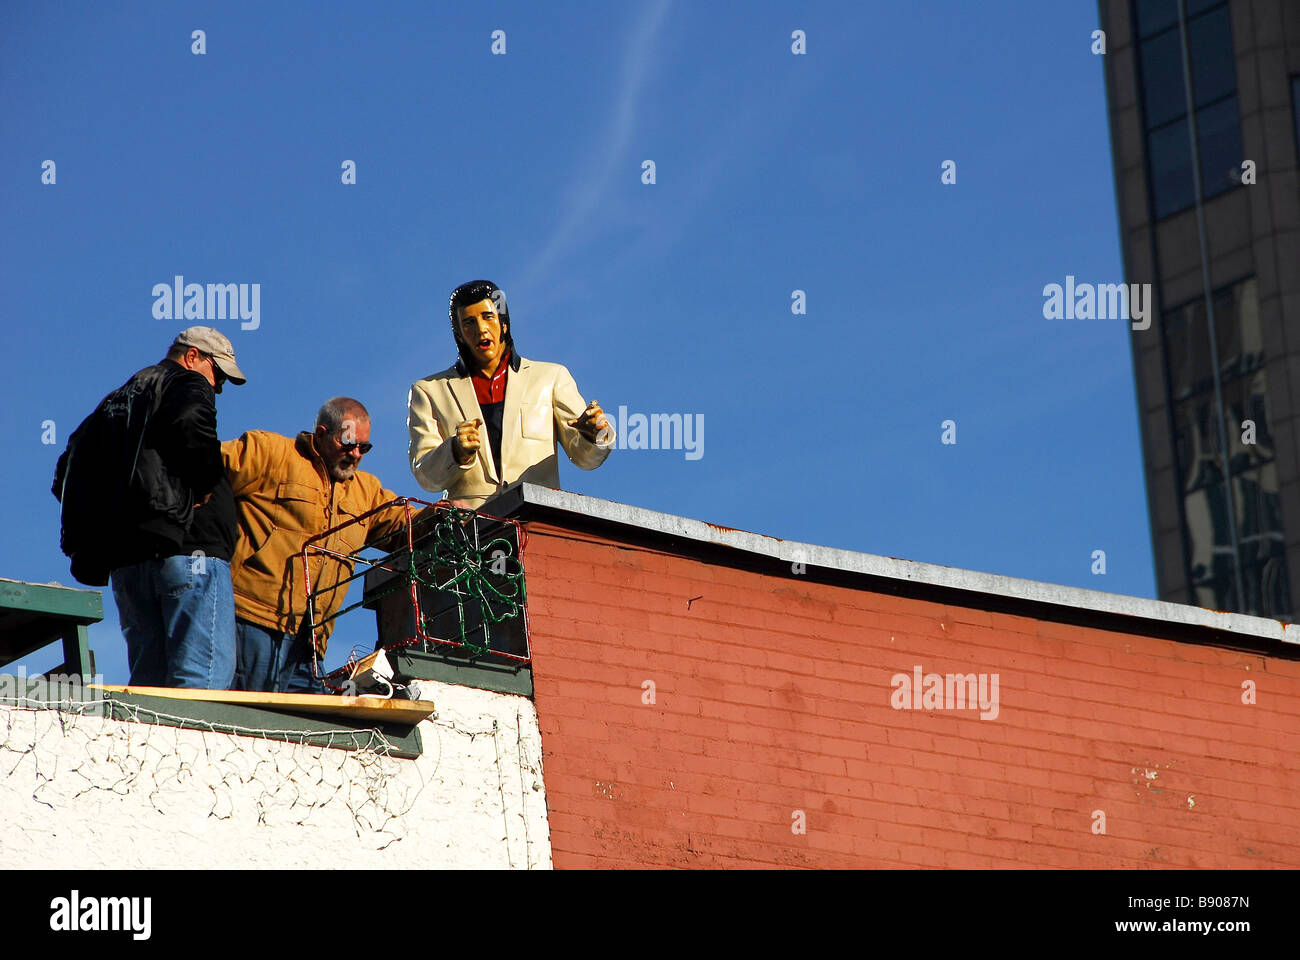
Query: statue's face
{"type": "Point", "coordinates": [480, 329]}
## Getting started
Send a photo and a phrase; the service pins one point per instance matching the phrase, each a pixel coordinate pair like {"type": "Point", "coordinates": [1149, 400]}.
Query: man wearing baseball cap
{"type": "Point", "coordinates": [147, 504]}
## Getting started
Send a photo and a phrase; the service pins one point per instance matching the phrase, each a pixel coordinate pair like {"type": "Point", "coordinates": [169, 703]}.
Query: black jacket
{"type": "Point", "coordinates": [134, 470]}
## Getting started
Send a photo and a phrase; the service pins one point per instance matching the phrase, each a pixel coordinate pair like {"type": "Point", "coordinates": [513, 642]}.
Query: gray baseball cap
{"type": "Point", "coordinates": [215, 344]}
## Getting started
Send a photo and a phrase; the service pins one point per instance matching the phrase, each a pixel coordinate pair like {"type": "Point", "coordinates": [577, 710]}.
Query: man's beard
{"type": "Point", "coordinates": [342, 472]}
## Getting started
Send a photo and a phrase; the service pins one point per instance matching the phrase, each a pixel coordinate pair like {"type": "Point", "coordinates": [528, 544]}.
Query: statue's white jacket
{"type": "Point", "coordinates": [541, 399]}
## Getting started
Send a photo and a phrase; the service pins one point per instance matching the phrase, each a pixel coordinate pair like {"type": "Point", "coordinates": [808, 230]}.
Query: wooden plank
{"type": "Point", "coordinates": [82, 606]}
{"type": "Point", "coordinates": [270, 723]}
{"type": "Point", "coordinates": [370, 709]}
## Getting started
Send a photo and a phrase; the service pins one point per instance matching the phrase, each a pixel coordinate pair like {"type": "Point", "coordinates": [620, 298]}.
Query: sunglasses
{"type": "Point", "coordinates": [217, 373]}
{"type": "Point", "coordinates": [364, 448]}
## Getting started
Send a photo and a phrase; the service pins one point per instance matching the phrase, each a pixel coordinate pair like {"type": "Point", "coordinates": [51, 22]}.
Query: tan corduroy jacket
{"type": "Point", "coordinates": [541, 399]}
{"type": "Point", "coordinates": [284, 495]}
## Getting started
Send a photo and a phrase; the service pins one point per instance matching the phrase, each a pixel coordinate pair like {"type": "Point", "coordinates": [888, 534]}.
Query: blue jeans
{"type": "Point", "coordinates": [178, 619]}
{"type": "Point", "coordinates": [274, 662]}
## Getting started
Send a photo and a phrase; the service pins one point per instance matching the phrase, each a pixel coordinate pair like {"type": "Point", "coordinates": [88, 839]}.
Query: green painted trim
{"type": "Point", "coordinates": [35, 615]}
{"type": "Point", "coordinates": [77, 657]}
{"type": "Point", "coordinates": [83, 606]}
{"type": "Point", "coordinates": [257, 722]}
{"type": "Point", "coordinates": [499, 678]}
{"type": "Point", "coordinates": [270, 724]}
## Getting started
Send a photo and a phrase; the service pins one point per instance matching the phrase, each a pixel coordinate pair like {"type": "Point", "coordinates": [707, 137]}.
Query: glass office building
{"type": "Point", "coordinates": [1204, 105]}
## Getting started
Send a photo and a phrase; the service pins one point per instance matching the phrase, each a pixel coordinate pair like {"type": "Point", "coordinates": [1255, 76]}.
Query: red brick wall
{"type": "Point", "coordinates": [773, 695]}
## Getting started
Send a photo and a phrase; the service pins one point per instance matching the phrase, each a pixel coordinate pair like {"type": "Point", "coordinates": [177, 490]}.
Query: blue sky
{"type": "Point", "coordinates": [775, 172]}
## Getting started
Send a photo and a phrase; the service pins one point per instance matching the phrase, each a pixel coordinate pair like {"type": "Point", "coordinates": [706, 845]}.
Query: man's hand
{"type": "Point", "coordinates": [591, 423]}
{"type": "Point", "coordinates": [466, 442]}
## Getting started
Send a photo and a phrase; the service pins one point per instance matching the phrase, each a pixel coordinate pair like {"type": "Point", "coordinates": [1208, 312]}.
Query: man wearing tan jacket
{"type": "Point", "coordinates": [496, 419]}
{"type": "Point", "coordinates": [288, 490]}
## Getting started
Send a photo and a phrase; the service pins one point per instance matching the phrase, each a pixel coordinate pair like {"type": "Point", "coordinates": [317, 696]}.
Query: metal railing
{"type": "Point", "coordinates": [469, 561]}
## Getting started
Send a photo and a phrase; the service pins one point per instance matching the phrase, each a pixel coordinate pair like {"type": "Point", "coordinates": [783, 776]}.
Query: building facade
{"type": "Point", "coordinates": [705, 697]}
{"type": "Point", "coordinates": [1204, 104]}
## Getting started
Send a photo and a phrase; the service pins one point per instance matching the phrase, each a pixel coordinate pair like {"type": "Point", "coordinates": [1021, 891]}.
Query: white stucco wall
{"type": "Point", "coordinates": [78, 791]}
